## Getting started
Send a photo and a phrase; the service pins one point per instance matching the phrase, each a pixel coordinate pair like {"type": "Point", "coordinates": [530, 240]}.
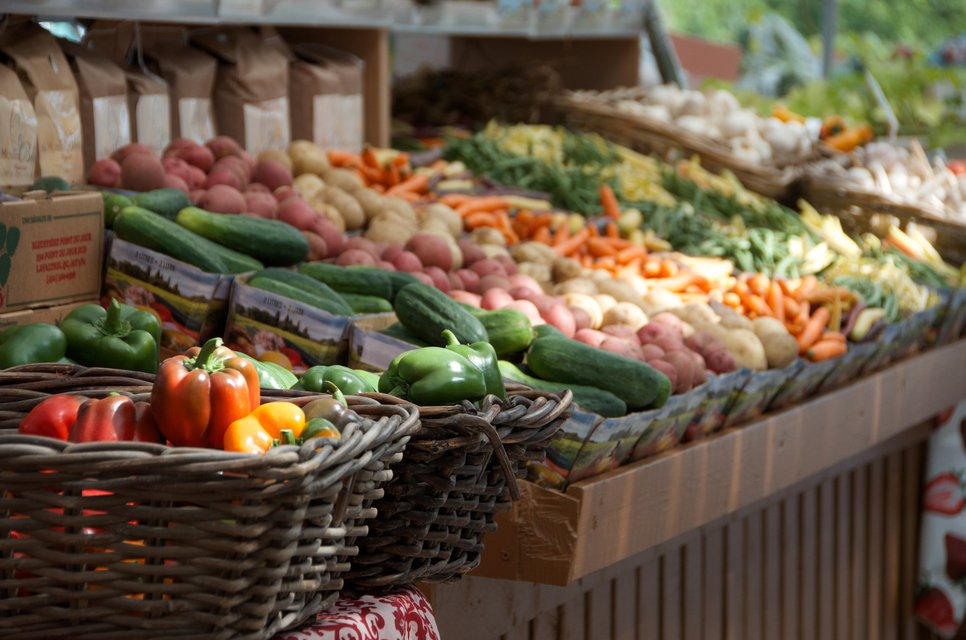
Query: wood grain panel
{"type": "Point", "coordinates": [753, 576]}
{"type": "Point", "coordinates": [624, 599]}
{"type": "Point", "coordinates": [714, 554]}
{"type": "Point", "coordinates": [772, 604]}
{"type": "Point", "coordinates": [791, 552]}
{"type": "Point", "coordinates": [826, 559]}
{"type": "Point", "coordinates": [892, 546]}
{"type": "Point", "coordinates": [734, 591]}
{"type": "Point", "coordinates": [671, 582]}
{"type": "Point", "coordinates": [860, 502]}
{"type": "Point", "coordinates": [808, 565]}
{"type": "Point", "coordinates": [875, 547]}
{"type": "Point", "coordinates": [693, 590]}
{"type": "Point", "coordinates": [843, 536]}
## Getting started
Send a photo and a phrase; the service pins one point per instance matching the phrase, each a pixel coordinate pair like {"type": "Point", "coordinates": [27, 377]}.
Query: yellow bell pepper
{"type": "Point", "coordinates": [259, 430]}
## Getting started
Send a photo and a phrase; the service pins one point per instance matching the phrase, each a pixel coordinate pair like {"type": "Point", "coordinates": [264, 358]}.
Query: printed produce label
{"type": "Point", "coordinates": [59, 135]}
{"type": "Point", "coordinates": [277, 329]}
{"type": "Point", "coordinates": [196, 120]}
{"type": "Point", "coordinates": [112, 125]}
{"type": "Point", "coordinates": [941, 592]}
{"type": "Point", "coordinates": [266, 125]}
{"type": "Point", "coordinates": [153, 118]}
{"type": "Point", "coordinates": [185, 299]}
{"type": "Point", "coordinates": [18, 142]}
{"type": "Point", "coordinates": [325, 120]}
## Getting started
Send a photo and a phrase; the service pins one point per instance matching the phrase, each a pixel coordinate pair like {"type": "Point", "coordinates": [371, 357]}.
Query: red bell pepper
{"type": "Point", "coordinates": [115, 418]}
{"type": "Point", "coordinates": [53, 417]}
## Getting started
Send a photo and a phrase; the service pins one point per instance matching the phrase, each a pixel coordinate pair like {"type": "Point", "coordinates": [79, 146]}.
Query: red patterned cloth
{"type": "Point", "coordinates": [404, 615]}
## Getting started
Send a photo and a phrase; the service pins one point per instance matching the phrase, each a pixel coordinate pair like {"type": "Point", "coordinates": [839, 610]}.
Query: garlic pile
{"type": "Point", "coordinates": [716, 115]}
{"type": "Point", "coordinates": [904, 176]}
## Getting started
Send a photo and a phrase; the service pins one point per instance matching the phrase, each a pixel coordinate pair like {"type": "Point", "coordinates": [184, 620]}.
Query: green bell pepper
{"type": "Point", "coordinates": [349, 381]}
{"type": "Point", "coordinates": [29, 343]}
{"type": "Point", "coordinates": [483, 355]}
{"type": "Point", "coordinates": [433, 376]}
{"type": "Point", "coordinates": [271, 375]}
{"type": "Point", "coordinates": [120, 337]}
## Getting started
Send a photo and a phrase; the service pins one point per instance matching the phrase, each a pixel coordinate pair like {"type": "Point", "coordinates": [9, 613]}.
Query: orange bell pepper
{"type": "Point", "coordinates": [262, 428]}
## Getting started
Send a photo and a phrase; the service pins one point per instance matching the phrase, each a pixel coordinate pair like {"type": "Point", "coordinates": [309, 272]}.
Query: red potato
{"type": "Point", "coordinates": [408, 261]}
{"type": "Point", "coordinates": [699, 368]}
{"type": "Point", "coordinates": [470, 278]}
{"type": "Point", "coordinates": [334, 239]}
{"type": "Point", "coordinates": [129, 150]}
{"type": "Point", "coordinates": [528, 309]}
{"type": "Point", "coordinates": [197, 178]}
{"type": "Point", "coordinates": [385, 266]}
{"type": "Point", "coordinates": [590, 337]}
{"type": "Point", "coordinates": [196, 196]}
{"type": "Point", "coordinates": [263, 204]}
{"type": "Point", "coordinates": [362, 244]}
{"type": "Point", "coordinates": [439, 277]}
{"type": "Point", "coordinates": [495, 298]}
{"type": "Point", "coordinates": [223, 146]}
{"type": "Point", "coordinates": [223, 199]}
{"type": "Point", "coordinates": [543, 301]}
{"type": "Point", "coordinates": [284, 193]}
{"type": "Point", "coordinates": [433, 251]}
{"type": "Point", "coordinates": [177, 167]}
{"type": "Point", "coordinates": [177, 145]}
{"type": "Point", "coordinates": [466, 297]}
{"type": "Point", "coordinates": [272, 173]}
{"type": "Point", "coordinates": [560, 317]}
{"type": "Point", "coordinates": [472, 252]}
{"type": "Point", "coordinates": [422, 277]}
{"type": "Point", "coordinates": [652, 352]}
{"type": "Point", "coordinates": [508, 264]}
{"type": "Point", "coordinates": [493, 281]}
{"type": "Point", "coordinates": [455, 282]}
{"type": "Point", "coordinates": [720, 361]}
{"type": "Point", "coordinates": [653, 331]}
{"type": "Point", "coordinates": [142, 172]}
{"type": "Point", "coordinates": [621, 347]}
{"type": "Point", "coordinates": [684, 367]}
{"type": "Point", "coordinates": [670, 321]}
{"type": "Point", "coordinates": [197, 156]}
{"type": "Point", "coordinates": [704, 343]}
{"type": "Point", "coordinates": [224, 176]}
{"type": "Point", "coordinates": [522, 280]}
{"type": "Point", "coordinates": [249, 161]}
{"type": "Point", "coordinates": [256, 187]}
{"type": "Point", "coordinates": [174, 182]}
{"type": "Point", "coordinates": [582, 319]}
{"type": "Point", "coordinates": [252, 214]}
{"type": "Point", "coordinates": [520, 293]}
{"type": "Point", "coordinates": [105, 173]}
{"type": "Point", "coordinates": [236, 166]}
{"type": "Point", "coordinates": [317, 248]}
{"type": "Point", "coordinates": [354, 257]}
{"type": "Point", "coordinates": [622, 331]}
{"type": "Point", "coordinates": [669, 343]}
{"type": "Point", "coordinates": [391, 251]}
{"type": "Point", "coordinates": [667, 369]}
{"type": "Point", "coordinates": [487, 267]}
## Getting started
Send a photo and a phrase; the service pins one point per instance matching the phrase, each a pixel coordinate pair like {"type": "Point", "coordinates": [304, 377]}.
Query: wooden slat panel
{"type": "Point", "coordinates": [911, 479]}
{"type": "Point", "coordinates": [875, 548]}
{"type": "Point", "coordinates": [753, 576]}
{"type": "Point", "coordinates": [545, 626]}
{"type": "Point", "coordinates": [693, 591]}
{"type": "Point", "coordinates": [860, 525]}
{"type": "Point", "coordinates": [826, 559]}
{"type": "Point", "coordinates": [734, 582]}
{"type": "Point", "coordinates": [572, 620]}
{"type": "Point", "coordinates": [843, 533]}
{"type": "Point", "coordinates": [649, 598]}
{"type": "Point", "coordinates": [714, 554]}
{"type": "Point", "coordinates": [772, 571]}
{"type": "Point", "coordinates": [520, 631]}
{"type": "Point", "coordinates": [808, 564]}
{"type": "Point", "coordinates": [791, 583]}
{"type": "Point", "coordinates": [892, 546]}
{"type": "Point", "coordinates": [600, 616]}
{"type": "Point", "coordinates": [625, 606]}
{"type": "Point", "coordinates": [671, 625]}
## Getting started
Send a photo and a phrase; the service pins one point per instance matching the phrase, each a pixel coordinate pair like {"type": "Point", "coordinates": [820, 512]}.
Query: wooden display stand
{"type": "Point", "coordinates": [803, 524]}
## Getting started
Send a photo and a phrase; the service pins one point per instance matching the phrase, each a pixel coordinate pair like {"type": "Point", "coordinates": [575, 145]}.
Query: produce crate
{"type": "Point", "coordinates": [460, 468]}
{"type": "Point", "coordinates": [133, 539]}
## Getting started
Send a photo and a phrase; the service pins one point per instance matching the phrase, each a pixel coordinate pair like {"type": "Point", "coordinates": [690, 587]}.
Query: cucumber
{"type": "Point", "coordinates": [271, 241]}
{"type": "Point", "coordinates": [573, 362]}
{"type": "Point", "coordinates": [427, 312]}
{"type": "Point", "coordinates": [547, 331]}
{"type": "Point", "coordinates": [164, 202]}
{"type": "Point", "coordinates": [509, 330]}
{"type": "Point", "coordinates": [399, 332]}
{"type": "Point", "coordinates": [147, 229]}
{"type": "Point", "coordinates": [311, 285]}
{"type": "Point", "coordinates": [367, 304]}
{"type": "Point", "coordinates": [603, 403]}
{"type": "Point", "coordinates": [113, 203]}
{"type": "Point", "coordinates": [364, 282]}
{"type": "Point", "coordinates": [236, 261]}
{"type": "Point", "coordinates": [397, 279]}
{"type": "Point", "coordinates": [300, 295]}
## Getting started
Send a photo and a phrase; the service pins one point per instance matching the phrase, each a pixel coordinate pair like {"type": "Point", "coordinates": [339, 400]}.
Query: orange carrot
{"type": "Point", "coordinates": [776, 300]}
{"type": "Point", "coordinates": [759, 284]}
{"type": "Point", "coordinates": [343, 158]}
{"type": "Point", "coordinates": [369, 158]}
{"type": "Point", "coordinates": [757, 304]}
{"type": "Point", "coordinates": [542, 234]}
{"type": "Point", "coordinates": [401, 161]}
{"type": "Point", "coordinates": [608, 202]}
{"type": "Point", "coordinates": [391, 176]}
{"type": "Point", "coordinates": [480, 219]}
{"type": "Point", "coordinates": [455, 199]}
{"type": "Point", "coordinates": [826, 349]}
{"type": "Point", "coordinates": [573, 243]}
{"type": "Point", "coordinates": [607, 262]}
{"type": "Point", "coordinates": [791, 305]}
{"type": "Point", "coordinates": [613, 231]}
{"type": "Point", "coordinates": [594, 231]}
{"type": "Point", "coordinates": [731, 299]}
{"type": "Point", "coordinates": [808, 283]}
{"type": "Point", "coordinates": [586, 262]}
{"type": "Point", "coordinates": [484, 203]}
{"type": "Point", "coordinates": [631, 254]}
{"type": "Point", "coordinates": [562, 235]}
{"type": "Point", "coordinates": [600, 247]}
{"type": "Point", "coordinates": [836, 336]}
{"type": "Point", "coordinates": [415, 184]}
{"type": "Point", "coordinates": [813, 329]}
{"type": "Point", "coordinates": [652, 268]}
{"type": "Point", "coordinates": [788, 289]}
{"type": "Point", "coordinates": [677, 283]}
{"type": "Point", "coordinates": [669, 269]}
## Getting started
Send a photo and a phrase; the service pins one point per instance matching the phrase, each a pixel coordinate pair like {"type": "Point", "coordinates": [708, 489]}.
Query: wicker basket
{"type": "Point", "coordinates": [142, 540]}
{"type": "Point", "coordinates": [653, 136]}
{"type": "Point", "coordinates": [460, 469]}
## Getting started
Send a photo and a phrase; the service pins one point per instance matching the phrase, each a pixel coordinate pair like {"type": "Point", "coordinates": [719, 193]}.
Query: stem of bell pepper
{"type": "Point", "coordinates": [204, 359]}
{"type": "Point", "coordinates": [336, 393]}
{"type": "Point", "coordinates": [112, 324]}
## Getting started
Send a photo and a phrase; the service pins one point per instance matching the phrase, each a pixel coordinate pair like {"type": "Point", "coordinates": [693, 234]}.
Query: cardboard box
{"type": "Point", "coordinates": [281, 330]}
{"type": "Point", "coordinates": [50, 315]}
{"type": "Point", "coordinates": [190, 303]}
{"type": "Point", "coordinates": [557, 538]}
{"type": "Point", "coordinates": [50, 249]}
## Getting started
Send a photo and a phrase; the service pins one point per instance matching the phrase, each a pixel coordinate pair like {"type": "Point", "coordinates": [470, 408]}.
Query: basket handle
{"type": "Point", "coordinates": [490, 432]}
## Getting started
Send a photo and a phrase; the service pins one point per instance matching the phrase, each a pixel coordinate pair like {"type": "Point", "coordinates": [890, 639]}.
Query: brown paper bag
{"type": "Point", "coordinates": [18, 135]}
{"type": "Point", "coordinates": [49, 84]}
{"type": "Point", "coordinates": [251, 92]}
{"type": "Point", "coordinates": [190, 75]}
{"type": "Point", "coordinates": [103, 102]}
{"type": "Point", "coordinates": [338, 115]}
{"type": "Point", "coordinates": [315, 95]}
{"type": "Point", "coordinates": [150, 108]}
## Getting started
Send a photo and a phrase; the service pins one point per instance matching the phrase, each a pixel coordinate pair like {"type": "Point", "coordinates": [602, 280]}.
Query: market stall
{"type": "Point", "coordinates": [634, 363]}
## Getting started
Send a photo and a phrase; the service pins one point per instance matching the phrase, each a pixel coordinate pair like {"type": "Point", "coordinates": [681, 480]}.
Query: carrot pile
{"type": "Point", "coordinates": [392, 177]}
{"type": "Point", "coordinates": [811, 312]}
